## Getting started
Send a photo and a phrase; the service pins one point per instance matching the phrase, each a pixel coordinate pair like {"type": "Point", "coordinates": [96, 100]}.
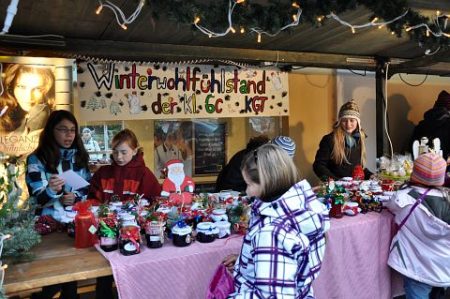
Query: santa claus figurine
{"type": "Point", "coordinates": [177, 186]}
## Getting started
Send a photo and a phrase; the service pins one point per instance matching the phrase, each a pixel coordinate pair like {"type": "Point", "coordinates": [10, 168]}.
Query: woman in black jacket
{"type": "Point", "coordinates": [344, 148]}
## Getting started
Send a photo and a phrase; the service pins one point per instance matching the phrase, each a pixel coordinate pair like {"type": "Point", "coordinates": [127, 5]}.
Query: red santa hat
{"type": "Point", "coordinates": [171, 163]}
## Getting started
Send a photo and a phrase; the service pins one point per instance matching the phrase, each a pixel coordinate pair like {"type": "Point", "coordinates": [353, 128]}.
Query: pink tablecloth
{"type": "Point", "coordinates": [354, 266]}
{"type": "Point", "coordinates": [355, 263]}
{"type": "Point", "coordinates": [170, 272]}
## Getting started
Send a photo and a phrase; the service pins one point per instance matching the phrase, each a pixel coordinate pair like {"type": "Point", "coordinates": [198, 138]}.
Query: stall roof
{"type": "Point", "coordinates": [81, 33]}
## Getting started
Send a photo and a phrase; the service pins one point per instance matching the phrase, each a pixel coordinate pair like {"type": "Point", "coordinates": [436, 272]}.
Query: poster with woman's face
{"type": "Point", "coordinates": [27, 96]}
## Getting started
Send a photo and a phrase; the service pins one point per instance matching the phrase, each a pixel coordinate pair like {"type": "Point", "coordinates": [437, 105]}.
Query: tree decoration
{"type": "Point", "coordinates": [17, 234]}
{"type": "Point", "coordinates": [218, 18]}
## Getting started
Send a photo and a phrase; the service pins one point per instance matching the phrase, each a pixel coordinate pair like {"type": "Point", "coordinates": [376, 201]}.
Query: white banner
{"type": "Point", "coordinates": [131, 91]}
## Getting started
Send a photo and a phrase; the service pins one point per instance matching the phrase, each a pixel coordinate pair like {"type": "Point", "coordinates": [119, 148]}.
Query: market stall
{"type": "Point", "coordinates": [357, 247]}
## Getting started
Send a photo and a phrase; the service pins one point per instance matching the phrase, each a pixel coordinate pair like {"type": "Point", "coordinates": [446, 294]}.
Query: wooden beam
{"type": "Point", "coordinates": [424, 61]}
{"type": "Point", "coordinates": [135, 51]}
{"type": "Point", "coordinates": [148, 52]}
{"type": "Point", "coordinates": [441, 5]}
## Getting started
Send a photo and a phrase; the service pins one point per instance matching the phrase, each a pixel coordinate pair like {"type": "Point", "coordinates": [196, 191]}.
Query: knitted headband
{"type": "Point", "coordinates": [350, 110]}
{"type": "Point", "coordinates": [285, 143]}
{"type": "Point", "coordinates": [429, 170]}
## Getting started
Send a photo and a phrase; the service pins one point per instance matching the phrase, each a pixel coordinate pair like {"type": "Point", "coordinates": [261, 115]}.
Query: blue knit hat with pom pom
{"type": "Point", "coordinates": [285, 143]}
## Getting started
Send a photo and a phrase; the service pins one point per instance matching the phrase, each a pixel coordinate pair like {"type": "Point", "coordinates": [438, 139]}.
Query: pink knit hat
{"type": "Point", "coordinates": [443, 100]}
{"type": "Point", "coordinates": [429, 170]}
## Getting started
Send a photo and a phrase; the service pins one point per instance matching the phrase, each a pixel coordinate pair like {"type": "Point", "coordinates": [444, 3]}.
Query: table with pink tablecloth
{"type": "Point", "coordinates": [355, 263]}
{"type": "Point", "coordinates": [354, 266]}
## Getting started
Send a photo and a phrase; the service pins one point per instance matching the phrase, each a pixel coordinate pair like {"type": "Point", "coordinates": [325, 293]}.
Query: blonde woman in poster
{"type": "Point", "coordinates": [27, 98]}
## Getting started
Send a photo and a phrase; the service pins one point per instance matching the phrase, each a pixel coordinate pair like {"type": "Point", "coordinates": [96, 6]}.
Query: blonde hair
{"type": "Point", "coordinates": [338, 154]}
{"type": "Point", "coordinates": [271, 168]}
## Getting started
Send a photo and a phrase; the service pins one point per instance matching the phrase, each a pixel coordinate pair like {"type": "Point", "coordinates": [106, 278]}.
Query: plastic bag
{"type": "Point", "coordinates": [221, 284]}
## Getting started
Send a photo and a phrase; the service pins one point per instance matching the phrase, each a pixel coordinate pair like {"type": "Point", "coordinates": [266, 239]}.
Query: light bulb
{"type": "Point", "coordinates": [99, 9]}
{"type": "Point", "coordinates": [294, 17]}
{"type": "Point", "coordinates": [242, 30]}
{"type": "Point", "coordinates": [124, 27]}
{"type": "Point", "coordinates": [233, 30]}
{"type": "Point", "coordinates": [353, 30]}
{"type": "Point", "coordinates": [295, 4]}
{"type": "Point", "coordinates": [375, 19]}
{"type": "Point", "coordinates": [259, 38]}
{"type": "Point", "coordinates": [196, 20]}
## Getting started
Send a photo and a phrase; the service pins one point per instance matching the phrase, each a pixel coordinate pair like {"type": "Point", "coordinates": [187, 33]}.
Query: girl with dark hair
{"type": "Point", "coordinates": [60, 148]}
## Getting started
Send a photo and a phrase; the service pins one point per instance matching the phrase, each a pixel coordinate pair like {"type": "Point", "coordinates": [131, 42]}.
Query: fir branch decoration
{"type": "Point", "coordinates": [271, 16]}
{"type": "Point", "coordinates": [15, 219]}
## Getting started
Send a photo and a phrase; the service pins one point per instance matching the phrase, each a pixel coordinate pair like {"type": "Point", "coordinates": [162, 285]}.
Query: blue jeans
{"type": "Point", "coordinates": [415, 289]}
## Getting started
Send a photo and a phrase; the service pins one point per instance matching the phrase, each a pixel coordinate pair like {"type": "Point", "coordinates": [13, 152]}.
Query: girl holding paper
{"type": "Point", "coordinates": [60, 149]}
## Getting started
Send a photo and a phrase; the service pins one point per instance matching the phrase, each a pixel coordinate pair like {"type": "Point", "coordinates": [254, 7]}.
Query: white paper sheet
{"type": "Point", "coordinates": [72, 179]}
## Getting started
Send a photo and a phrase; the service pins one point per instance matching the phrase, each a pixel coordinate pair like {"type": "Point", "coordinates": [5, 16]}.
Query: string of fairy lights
{"type": "Point", "coordinates": [439, 22]}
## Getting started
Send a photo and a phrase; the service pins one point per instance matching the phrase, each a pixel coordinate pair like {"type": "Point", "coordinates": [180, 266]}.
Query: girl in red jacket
{"type": "Point", "coordinates": [127, 175]}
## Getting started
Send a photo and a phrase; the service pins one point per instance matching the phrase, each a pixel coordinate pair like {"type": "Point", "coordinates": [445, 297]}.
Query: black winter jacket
{"type": "Point", "coordinates": [325, 167]}
{"type": "Point", "coordinates": [435, 124]}
{"type": "Point", "coordinates": [231, 177]}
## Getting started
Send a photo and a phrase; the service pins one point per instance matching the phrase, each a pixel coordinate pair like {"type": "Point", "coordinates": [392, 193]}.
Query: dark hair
{"type": "Point", "coordinates": [256, 142]}
{"type": "Point", "coordinates": [48, 150]}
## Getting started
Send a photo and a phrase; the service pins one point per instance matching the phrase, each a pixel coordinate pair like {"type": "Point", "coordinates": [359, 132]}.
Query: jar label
{"type": "Point", "coordinates": [108, 241]}
{"type": "Point", "coordinates": [188, 239]}
{"type": "Point", "coordinates": [92, 229]}
{"type": "Point", "coordinates": [155, 238]}
{"type": "Point", "coordinates": [129, 247]}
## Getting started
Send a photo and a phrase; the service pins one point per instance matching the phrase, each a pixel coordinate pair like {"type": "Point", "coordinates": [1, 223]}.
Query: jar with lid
{"type": "Point", "coordinates": [207, 232]}
{"type": "Point", "coordinates": [181, 234]}
{"type": "Point", "coordinates": [154, 234]}
{"type": "Point", "coordinates": [129, 240]}
{"type": "Point", "coordinates": [108, 233]}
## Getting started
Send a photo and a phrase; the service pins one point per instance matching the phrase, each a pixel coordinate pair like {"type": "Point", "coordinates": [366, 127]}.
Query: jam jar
{"type": "Point", "coordinates": [154, 234]}
{"type": "Point", "coordinates": [129, 240]}
{"type": "Point", "coordinates": [181, 235]}
{"type": "Point", "coordinates": [207, 232]}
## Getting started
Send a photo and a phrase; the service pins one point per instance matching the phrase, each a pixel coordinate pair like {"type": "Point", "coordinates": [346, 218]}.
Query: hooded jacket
{"type": "Point", "coordinates": [283, 249]}
{"type": "Point", "coordinates": [435, 124]}
{"type": "Point", "coordinates": [421, 248]}
{"type": "Point", "coordinates": [125, 181]}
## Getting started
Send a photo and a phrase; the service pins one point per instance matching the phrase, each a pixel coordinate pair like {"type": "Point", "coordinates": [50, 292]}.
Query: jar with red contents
{"type": "Point", "coordinates": [129, 240]}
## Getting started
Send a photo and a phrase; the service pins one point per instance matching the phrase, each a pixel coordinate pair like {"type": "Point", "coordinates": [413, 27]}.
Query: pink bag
{"type": "Point", "coordinates": [221, 284]}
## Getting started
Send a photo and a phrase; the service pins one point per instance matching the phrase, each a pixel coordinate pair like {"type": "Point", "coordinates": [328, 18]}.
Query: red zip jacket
{"type": "Point", "coordinates": [124, 181]}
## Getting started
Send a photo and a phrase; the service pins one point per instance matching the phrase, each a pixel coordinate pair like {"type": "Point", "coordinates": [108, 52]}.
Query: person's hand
{"type": "Point", "coordinates": [68, 199]}
{"type": "Point", "coordinates": [229, 262]}
{"type": "Point", "coordinates": [56, 183]}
